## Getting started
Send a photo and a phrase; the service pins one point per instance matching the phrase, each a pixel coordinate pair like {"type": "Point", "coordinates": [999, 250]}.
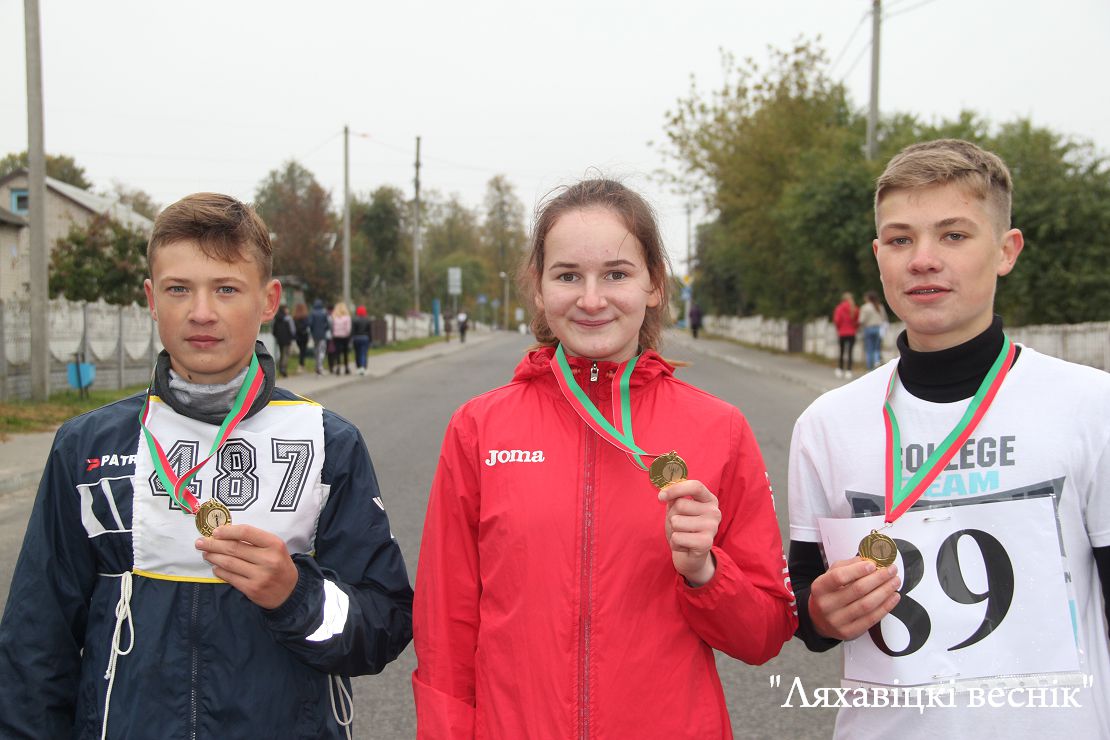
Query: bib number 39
{"type": "Point", "coordinates": [999, 591]}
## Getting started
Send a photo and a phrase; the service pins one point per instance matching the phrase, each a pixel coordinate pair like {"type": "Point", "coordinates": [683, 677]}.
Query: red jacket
{"type": "Point", "coordinates": [547, 605]}
{"type": "Point", "coordinates": [846, 319]}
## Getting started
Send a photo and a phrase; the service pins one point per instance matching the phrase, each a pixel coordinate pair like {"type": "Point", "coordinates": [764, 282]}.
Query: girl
{"type": "Point", "coordinates": [562, 592]}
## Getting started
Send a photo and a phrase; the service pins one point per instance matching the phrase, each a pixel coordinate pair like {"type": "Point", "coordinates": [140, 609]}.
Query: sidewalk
{"type": "Point", "coordinates": [795, 368]}
{"type": "Point", "coordinates": [23, 456]}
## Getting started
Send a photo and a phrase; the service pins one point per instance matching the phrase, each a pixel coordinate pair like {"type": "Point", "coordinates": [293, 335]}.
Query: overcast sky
{"type": "Point", "coordinates": [185, 96]}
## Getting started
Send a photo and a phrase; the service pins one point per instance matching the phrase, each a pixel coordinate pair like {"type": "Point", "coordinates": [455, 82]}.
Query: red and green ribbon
{"type": "Point", "coordinates": [620, 438]}
{"type": "Point", "coordinates": [899, 497]}
{"type": "Point", "coordinates": [178, 487]}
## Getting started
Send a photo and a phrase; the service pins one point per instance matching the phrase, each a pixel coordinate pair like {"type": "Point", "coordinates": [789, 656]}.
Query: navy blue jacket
{"type": "Point", "coordinates": [206, 662]}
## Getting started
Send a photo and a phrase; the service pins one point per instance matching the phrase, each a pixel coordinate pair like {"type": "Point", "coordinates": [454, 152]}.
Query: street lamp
{"type": "Point", "coordinates": [505, 301]}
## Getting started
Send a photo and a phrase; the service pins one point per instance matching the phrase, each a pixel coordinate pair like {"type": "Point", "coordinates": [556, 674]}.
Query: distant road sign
{"type": "Point", "coordinates": [454, 281]}
{"type": "Point", "coordinates": [482, 299]}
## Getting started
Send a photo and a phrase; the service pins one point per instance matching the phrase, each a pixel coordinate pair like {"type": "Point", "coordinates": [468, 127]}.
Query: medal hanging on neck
{"type": "Point", "coordinates": [665, 469]}
{"type": "Point", "coordinates": [899, 497]}
{"type": "Point", "coordinates": [211, 513]}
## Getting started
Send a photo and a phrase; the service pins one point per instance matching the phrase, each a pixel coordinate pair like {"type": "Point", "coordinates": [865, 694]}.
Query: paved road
{"type": "Point", "coordinates": [403, 417]}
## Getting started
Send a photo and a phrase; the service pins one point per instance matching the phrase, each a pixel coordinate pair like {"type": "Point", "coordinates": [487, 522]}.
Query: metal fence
{"type": "Point", "coordinates": [1086, 344]}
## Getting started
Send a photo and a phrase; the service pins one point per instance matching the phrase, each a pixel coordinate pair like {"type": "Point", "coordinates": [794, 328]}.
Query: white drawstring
{"type": "Point", "coordinates": [123, 614]}
{"type": "Point", "coordinates": [345, 703]}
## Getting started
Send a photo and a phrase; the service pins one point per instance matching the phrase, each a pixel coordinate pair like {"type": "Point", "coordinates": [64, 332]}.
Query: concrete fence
{"type": "Point", "coordinates": [1086, 344]}
{"type": "Point", "coordinates": [120, 341]}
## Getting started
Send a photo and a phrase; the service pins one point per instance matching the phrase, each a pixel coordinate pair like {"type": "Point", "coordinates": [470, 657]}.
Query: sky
{"type": "Point", "coordinates": [179, 97]}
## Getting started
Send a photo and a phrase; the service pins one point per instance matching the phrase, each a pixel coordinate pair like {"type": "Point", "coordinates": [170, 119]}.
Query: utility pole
{"type": "Point", "coordinates": [416, 236]}
{"type": "Point", "coordinates": [346, 216]}
{"type": "Point", "coordinates": [36, 166]}
{"type": "Point", "coordinates": [689, 263]}
{"type": "Point", "coordinates": [873, 109]}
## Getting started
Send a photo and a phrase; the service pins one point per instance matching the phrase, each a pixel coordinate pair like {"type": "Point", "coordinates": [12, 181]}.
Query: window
{"type": "Point", "coordinates": [20, 201]}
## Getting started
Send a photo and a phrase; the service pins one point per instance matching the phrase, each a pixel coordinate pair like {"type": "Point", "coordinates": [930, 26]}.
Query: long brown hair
{"type": "Point", "coordinates": [638, 218]}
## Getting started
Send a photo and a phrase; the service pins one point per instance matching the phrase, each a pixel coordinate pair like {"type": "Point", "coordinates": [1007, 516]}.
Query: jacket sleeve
{"type": "Point", "coordinates": [351, 611]}
{"type": "Point", "coordinates": [43, 629]}
{"type": "Point", "coordinates": [448, 591]}
{"type": "Point", "coordinates": [747, 609]}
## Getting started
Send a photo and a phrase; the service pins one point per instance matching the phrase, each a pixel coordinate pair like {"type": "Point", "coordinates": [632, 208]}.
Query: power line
{"type": "Point", "coordinates": [862, 20]}
{"type": "Point", "coordinates": [887, 16]}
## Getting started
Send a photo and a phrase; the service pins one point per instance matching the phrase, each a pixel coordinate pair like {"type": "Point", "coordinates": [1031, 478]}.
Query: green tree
{"type": "Point", "coordinates": [59, 166]}
{"type": "Point", "coordinates": [381, 251]}
{"type": "Point", "coordinates": [102, 260]}
{"type": "Point", "coordinates": [138, 200]}
{"type": "Point", "coordinates": [296, 209]}
{"type": "Point", "coordinates": [503, 229]}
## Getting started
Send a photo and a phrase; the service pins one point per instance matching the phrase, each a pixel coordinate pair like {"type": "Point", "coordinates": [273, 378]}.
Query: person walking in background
{"type": "Point", "coordinates": [846, 319]}
{"type": "Point", "coordinates": [319, 325]}
{"type": "Point", "coordinates": [464, 322]}
{"type": "Point", "coordinates": [563, 591]}
{"type": "Point", "coordinates": [695, 319]}
{"type": "Point", "coordinates": [341, 332]}
{"type": "Point", "coordinates": [872, 319]}
{"type": "Point", "coordinates": [300, 321]}
{"type": "Point", "coordinates": [360, 337]}
{"type": "Point", "coordinates": [284, 331]}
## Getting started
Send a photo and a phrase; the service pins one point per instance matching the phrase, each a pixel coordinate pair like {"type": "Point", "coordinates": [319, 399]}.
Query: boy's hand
{"type": "Point", "coordinates": [253, 561]}
{"type": "Point", "coordinates": [851, 596]}
{"type": "Point", "coordinates": [691, 525]}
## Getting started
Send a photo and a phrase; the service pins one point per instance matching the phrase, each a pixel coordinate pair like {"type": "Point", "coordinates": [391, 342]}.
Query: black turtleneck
{"type": "Point", "coordinates": [944, 376]}
{"type": "Point", "coordinates": [951, 374]}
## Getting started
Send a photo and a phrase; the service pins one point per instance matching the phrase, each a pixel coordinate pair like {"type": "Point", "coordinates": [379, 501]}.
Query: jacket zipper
{"type": "Point", "coordinates": [587, 574]}
{"type": "Point", "coordinates": [194, 661]}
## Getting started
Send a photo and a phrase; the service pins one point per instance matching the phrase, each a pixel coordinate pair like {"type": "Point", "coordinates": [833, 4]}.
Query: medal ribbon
{"type": "Point", "coordinates": [899, 498]}
{"type": "Point", "coordinates": [178, 487]}
{"type": "Point", "coordinates": [590, 414]}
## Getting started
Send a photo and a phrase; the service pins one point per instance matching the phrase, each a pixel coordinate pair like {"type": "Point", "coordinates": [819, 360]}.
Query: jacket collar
{"type": "Point", "coordinates": [537, 365]}
{"type": "Point", "coordinates": [162, 387]}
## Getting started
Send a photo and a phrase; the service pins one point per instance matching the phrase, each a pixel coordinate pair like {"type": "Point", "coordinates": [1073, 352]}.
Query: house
{"type": "Point", "coordinates": [66, 206]}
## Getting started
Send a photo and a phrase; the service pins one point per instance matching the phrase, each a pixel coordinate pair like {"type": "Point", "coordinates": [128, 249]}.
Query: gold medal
{"type": "Point", "coordinates": [210, 515]}
{"type": "Point", "coordinates": [667, 469]}
{"type": "Point", "coordinates": [878, 548]}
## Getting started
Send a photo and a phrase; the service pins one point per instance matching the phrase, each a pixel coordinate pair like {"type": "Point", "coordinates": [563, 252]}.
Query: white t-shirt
{"type": "Point", "coordinates": [1048, 429]}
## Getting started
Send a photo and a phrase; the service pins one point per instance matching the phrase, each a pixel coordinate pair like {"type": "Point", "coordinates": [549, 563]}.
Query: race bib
{"type": "Point", "coordinates": [984, 594]}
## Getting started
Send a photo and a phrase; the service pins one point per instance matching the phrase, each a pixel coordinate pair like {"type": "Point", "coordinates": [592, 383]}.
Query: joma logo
{"type": "Point", "coordinates": [511, 456]}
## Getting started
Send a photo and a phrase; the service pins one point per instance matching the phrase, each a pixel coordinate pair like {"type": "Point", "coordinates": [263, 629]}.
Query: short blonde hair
{"type": "Point", "coordinates": [222, 227]}
{"type": "Point", "coordinates": [981, 173]}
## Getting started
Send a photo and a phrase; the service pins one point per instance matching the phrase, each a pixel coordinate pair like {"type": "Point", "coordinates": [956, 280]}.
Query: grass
{"type": "Point", "coordinates": [20, 417]}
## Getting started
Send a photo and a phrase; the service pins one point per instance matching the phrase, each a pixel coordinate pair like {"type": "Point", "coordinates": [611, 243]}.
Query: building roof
{"type": "Point", "coordinates": [7, 217]}
{"type": "Point", "coordinates": [103, 204]}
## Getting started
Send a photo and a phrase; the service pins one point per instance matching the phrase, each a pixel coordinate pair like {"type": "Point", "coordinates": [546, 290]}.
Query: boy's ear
{"type": "Point", "coordinates": [273, 299]}
{"type": "Point", "coordinates": [148, 288]}
{"type": "Point", "coordinates": [1012, 243]}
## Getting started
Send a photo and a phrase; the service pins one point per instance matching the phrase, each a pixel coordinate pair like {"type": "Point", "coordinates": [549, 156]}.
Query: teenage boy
{"type": "Point", "coordinates": [988, 460]}
{"type": "Point", "coordinates": [210, 558]}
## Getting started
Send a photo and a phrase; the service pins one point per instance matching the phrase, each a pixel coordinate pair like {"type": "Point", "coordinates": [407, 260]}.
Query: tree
{"type": "Point", "coordinates": [138, 200]}
{"type": "Point", "coordinates": [102, 260]}
{"type": "Point", "coordinates": [503, 230]}
{"type": "Point", "coordinates": [60, 167]}
{"type": "Point", "coordinates": [295, 207]}
{"type": "Point", "coordinates": [381, 251]}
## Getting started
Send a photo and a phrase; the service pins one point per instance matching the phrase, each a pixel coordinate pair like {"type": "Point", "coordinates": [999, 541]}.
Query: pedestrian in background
{"type": "Point", "coordinates": [319, 325]}
{"type": "Point", "coordinates": [695, 319]}
{"type": "Point", "coordinates": [464, 323]}
{"type": "Point", "coordinates": [562, 591]}
{"type": "Point", "coordinates": [284, 330]}
{"type": "Point", "coordinates": [360, 337]}
{"type": "Point", "coordinates": [300, 321]}
{"type": "Point", "coordinates": [846, 319]}
{"type": "Point", "coordinates": [341, 332]}
{"type": "Point", "coordinates": [873, 321]}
